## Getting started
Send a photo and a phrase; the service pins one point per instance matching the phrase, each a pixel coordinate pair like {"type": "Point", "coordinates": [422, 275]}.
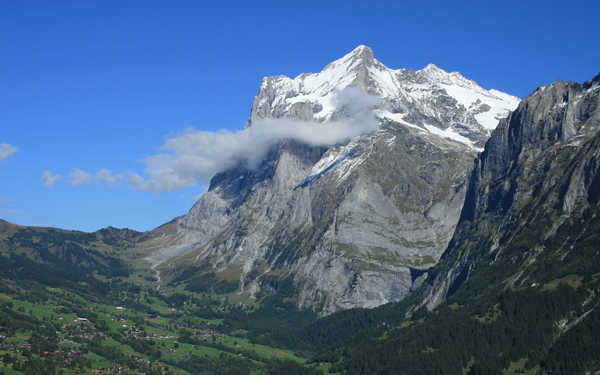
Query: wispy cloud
{"type": "Point", "coordinates": [48, 179]}
{"type": "Point", "coordinates": [80, 177]}
{"type": "Point", "coordinates": [107, 177]}
{"type": "Point", "coordinates": [196, 156]}
{"type": "Point", "coordinates": [7, 150]}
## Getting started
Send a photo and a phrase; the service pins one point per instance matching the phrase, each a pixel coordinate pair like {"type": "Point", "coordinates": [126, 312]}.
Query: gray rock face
{"type": "Point", "coordinates": [541, 162]}
{"type": "Point", "coordinates": [344, 223]}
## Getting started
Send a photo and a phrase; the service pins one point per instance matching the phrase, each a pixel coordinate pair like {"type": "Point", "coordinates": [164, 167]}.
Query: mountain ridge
{"type": "Point", "coordinates": [312, 96]}
{"type": "Point", "coordinates": [529, 153]}
{"type": "Point", "coordinates": [424, 254]}
{"type": "Point", "coordinates": [344, 223]}
{"type": "Point", "coordinates": [517, 289]}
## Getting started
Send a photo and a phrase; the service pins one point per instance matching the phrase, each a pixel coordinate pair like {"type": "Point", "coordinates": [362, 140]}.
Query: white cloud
{"type": "Point", "coordinates": [7, 150]}
{"type": "Point", "coordinates": [49, 178]}
{"type": "Point", "coordinates": [106, 176]}
{"type": "Point", "coordinates": [196, 156]}
{"type": "Point", "coordinates": [80, 177]}
{"type": "Point", "coordinates": [353, 102]}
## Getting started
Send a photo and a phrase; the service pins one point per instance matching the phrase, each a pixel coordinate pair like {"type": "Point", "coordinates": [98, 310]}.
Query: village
{"type": "Point", "coordinates": [71, 344]}
{"type": "Point", "coordinates": [57, 332]}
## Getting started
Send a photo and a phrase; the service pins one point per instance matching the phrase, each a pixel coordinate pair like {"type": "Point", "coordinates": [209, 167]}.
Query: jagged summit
{"type": "Point", "coordinates": [432, 67]}
{"type": "Point", "coordinates": [440, 103]}
{"type": "Point", "coordinates": [433, 70]}
{"type": "Point", "coordinates": [362, 49]}
{"type": "Point", "coordinates": [360, 57]}
{"type": "Point", "coordinates": [361, 53]}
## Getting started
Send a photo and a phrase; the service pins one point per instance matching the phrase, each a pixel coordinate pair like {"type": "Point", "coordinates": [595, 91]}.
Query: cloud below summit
{"type": "Point", "coordinates": [196, 156]}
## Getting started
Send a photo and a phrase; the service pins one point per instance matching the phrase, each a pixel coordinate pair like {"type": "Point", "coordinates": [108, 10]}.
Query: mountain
{"type": "Point", "coordinates": [441, 103]}
{"type": "Point", "coordinates": [342, 225]}
{"type": "Point", "coordinates": [58, 257]}
{"type": "Point", "coordinates": [484, 263]}
{"type": "Point", "coordinates": [538, 174]}
{"type": "Point", "coordinates": [518, 288]}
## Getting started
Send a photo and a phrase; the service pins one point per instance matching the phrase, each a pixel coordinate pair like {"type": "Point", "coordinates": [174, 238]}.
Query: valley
{"type": "Point", "coordinates": [47, 330]}
{"type": "Point", "coordinates": [56, 319]}
{"type": "Point", "coordinates": [421, 239]}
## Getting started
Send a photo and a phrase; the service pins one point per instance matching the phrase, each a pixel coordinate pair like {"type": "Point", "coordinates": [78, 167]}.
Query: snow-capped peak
{"type": "Point", "coordinates": [438, 75]}
{"type": "Point", "coordinates": [361, 53]}
{"type": "Point", "coordinates": [429, 96]}
{"type": "Point", "coordinates": [361, 56]}
{"type": "Point", "coordinates": [433, 68]}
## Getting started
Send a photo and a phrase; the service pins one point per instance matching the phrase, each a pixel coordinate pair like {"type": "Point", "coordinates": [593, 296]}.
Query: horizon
{"type": "Point", "coordinates": [92, 93]}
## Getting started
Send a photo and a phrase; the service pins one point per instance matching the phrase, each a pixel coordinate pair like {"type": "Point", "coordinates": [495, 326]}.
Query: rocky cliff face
{"type": "Point", "coordinates": [348, 224]}
{"type": "Point", "coordinates": [539, 172]}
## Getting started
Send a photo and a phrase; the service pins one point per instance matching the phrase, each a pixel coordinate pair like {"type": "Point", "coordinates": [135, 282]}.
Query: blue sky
{"type": "Point", "coordinates": [93, 87]}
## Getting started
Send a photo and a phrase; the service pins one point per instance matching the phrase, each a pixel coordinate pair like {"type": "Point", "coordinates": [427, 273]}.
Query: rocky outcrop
{"type": "Point", "coordinates": [540, 165]}
{"type": "Point", "coordinates": [347, 224]}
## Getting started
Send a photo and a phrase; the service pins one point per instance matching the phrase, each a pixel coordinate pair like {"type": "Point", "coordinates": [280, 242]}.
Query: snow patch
{"type": "Point", "coordinates": [347, 166]}
{"type": "Point", "coordinates": [472, 95]}
{"type": "Point", "coordinates": [443, 133]}
{"type": "Point", "coordinates": [594, 87]}
{"type": "Point", "coordinates": [397, 117]}
{"type": "Point", "coordinates": [451, 134]}
{"type": "Point", "coordinates": [390, 141]}
{"type": "Point", "coordinates": [327, 161]}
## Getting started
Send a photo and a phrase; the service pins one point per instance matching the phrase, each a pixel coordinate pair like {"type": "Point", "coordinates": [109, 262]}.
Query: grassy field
{"type": "Point", "coordinates": [140, 328]}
